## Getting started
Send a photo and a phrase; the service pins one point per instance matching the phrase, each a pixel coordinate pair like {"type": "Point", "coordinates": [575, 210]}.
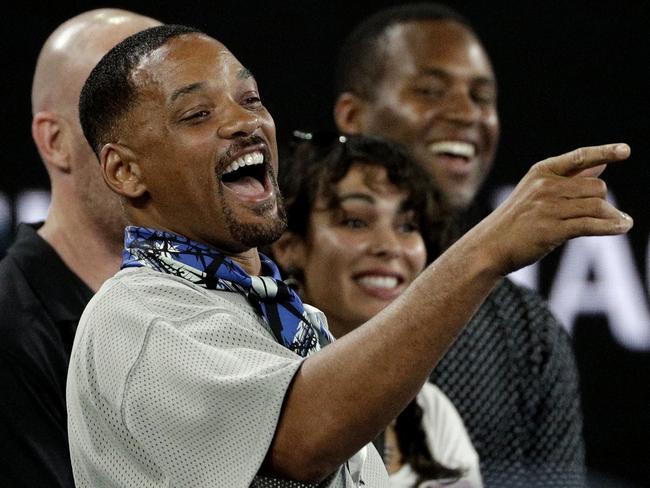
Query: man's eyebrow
{"type": "Point", "coordinates": [437, 72]}
{"type": "Point", "coordinates": [244, 73]}
{"type": "Point", "coordinates": [441, 73]}
{"type": "Point", "coordinates": [184, 90]}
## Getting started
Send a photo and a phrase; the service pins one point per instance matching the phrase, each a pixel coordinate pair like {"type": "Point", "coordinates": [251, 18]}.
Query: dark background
{"type": "Point", "coordinates": [570, 74]}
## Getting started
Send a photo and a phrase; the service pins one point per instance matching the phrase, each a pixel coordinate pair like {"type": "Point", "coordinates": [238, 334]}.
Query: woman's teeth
{"type": "Point", "coordinates": [387, 282]}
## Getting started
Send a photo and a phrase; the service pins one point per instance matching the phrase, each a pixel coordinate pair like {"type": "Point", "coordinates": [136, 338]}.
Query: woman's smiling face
{"type": "Point", "coordinates": [362, 251]}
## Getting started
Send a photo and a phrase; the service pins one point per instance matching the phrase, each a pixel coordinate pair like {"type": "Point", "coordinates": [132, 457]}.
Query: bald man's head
{"type": "Point", "coordinates": [73, 50]}
{"type": "Point", "coordinates": [79, 194]}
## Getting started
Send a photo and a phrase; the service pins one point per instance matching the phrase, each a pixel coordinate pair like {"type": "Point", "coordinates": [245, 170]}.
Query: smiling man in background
{"type": "Point", "coordinates": [418, 74]}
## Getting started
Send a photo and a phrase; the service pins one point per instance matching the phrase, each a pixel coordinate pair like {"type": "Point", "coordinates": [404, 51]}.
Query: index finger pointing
{"type": "Point", "coordinates": [572, 163]}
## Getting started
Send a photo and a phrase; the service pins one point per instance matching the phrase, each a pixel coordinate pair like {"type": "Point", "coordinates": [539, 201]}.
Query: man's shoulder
{"type": "Point", "coordinates": [525, 323]}
{"type": "Point", "coordinates": [12, 265]}
{"type": "Point", "coordinates": [508, 294]}
{"type": "Point", "coordinates": [514, 322]}
{"type": "Point", "coordinates": [37, 285]}
{"type": "Point", "coordinates": [19, 305]}
{"type": "Point", "coordinates": [148, 292]}
{"type": "Point", "coordinates": [12, 277]}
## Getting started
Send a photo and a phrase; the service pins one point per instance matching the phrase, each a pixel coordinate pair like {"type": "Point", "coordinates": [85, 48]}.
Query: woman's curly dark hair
{"type": "Point", "coordinates": [314, 168]}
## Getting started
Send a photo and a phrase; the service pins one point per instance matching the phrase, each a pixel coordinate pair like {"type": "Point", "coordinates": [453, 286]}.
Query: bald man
{"type": "Point", "coordinates": [53, 269]}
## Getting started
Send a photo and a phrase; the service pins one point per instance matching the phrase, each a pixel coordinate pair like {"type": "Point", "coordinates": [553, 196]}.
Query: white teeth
{"type": "Point", "coordinates": [456, 148]}
{"type": "Point", "coordinates": [246, 160]}
{"type": "Point", "coordinates": [379, 281]}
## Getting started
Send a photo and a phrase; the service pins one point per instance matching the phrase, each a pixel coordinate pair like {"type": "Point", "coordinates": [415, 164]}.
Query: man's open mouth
{"type": "Point", "coordinates": [456, 157]}
{"type": "Point", "coordinates": [247, 175]}
{"type": "Point", "coordinates": [453, 149]}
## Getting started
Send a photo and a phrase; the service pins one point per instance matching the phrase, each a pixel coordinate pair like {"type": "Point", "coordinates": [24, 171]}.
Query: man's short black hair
{"type": "Point", "coordinates": [313, 170]}
{"type": "Point", "coordinates": [362, 57]}
{"type": "Point", "coordinates": [109, 92]}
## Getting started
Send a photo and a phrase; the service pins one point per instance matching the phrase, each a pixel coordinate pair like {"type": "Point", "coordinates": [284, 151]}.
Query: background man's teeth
{"type": "Point", "coordinates": [453, 147]}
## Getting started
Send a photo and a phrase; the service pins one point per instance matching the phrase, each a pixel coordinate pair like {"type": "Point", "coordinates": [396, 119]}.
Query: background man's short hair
{"type": "Point", "coordinates": [362, 56]}
{"type": "Point", "coordinates": [109, 93]}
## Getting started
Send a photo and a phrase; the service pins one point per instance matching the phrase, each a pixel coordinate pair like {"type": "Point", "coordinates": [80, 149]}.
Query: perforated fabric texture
{"type": "Point", "coordinates": [173, 385]}
{"type": "Point", "coordinates": [511, 375]}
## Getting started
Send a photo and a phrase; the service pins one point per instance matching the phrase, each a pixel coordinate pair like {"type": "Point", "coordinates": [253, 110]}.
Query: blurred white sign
{"type": "Point", "coordinates": [596, 275]}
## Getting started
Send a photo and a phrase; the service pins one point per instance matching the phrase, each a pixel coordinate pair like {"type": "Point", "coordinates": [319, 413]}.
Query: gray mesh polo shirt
{"type": "Point", "coordinates": [174, 385]}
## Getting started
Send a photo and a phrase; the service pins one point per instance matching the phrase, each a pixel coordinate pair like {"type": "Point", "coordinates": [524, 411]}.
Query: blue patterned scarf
{"type": "Point", "coordinates": [281, 308]}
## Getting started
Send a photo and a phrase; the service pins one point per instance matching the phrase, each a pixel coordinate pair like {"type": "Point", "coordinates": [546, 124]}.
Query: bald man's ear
{"type": "Point", "coordinates": [290, 251]}
{"type": "Point", "coordinates": [349, 112]}
{"type": "Point", "coordinates": [121, 172]}
{"type": "Point", "coordinates": [49, 132]}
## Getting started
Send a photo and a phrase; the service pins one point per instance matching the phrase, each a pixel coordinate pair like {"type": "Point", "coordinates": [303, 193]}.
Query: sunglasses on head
{"type": "Point", "coordinates": [318, 138]}
{"type": "Point", "coordinates": [317, 145]}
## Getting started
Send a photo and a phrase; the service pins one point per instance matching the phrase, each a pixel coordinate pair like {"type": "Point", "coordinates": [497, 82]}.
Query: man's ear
{"type": "Point", "coordinates": [49, 132]}
{"type": "Point", "coordinates": [349, 112]}
{"type": "Point", "coordinates": [290, 251]}
{"type": "Point", "coordinates": [121, 171]}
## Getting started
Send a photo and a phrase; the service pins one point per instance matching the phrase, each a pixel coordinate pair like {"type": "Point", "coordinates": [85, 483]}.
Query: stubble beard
{"type": "Point", "coordinates": [258, 235]}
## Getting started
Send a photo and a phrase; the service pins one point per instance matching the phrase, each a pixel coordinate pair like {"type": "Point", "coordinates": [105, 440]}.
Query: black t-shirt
{"type": "Point", "coordinates": [41, 301]}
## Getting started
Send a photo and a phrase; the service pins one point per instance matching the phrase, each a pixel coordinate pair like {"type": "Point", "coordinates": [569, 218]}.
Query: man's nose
{"type": "Point", "coordinates": [461, 107]}
{"type": "Point", "coordinates": [238, 121]}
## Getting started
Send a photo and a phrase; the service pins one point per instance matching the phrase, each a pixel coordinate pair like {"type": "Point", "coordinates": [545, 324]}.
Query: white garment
{"type": "Point", "coordinates": [174, 385]}
{"type": "Point", "coordinates": [407, 478]}
{"type": "Point", "coordinates": [447, 440]}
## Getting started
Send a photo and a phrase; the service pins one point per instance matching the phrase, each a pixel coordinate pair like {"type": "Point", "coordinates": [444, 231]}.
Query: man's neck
{"type": "Point", "coordinates": [83, 246]}
{"type": "Point", "coordinates": [249, 261]}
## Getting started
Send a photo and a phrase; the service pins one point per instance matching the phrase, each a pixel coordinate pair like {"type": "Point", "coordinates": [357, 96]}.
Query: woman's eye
{"type": "Point", "coordinates": [409, 227]}
{"type": "Point", "coordinates": [353, 223]}
{"type": "Point", "coordinates": [428, 92]}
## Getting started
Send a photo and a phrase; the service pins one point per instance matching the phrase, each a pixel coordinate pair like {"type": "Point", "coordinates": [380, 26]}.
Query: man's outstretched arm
{"type": "Point", "coordinates": [344, 395]}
